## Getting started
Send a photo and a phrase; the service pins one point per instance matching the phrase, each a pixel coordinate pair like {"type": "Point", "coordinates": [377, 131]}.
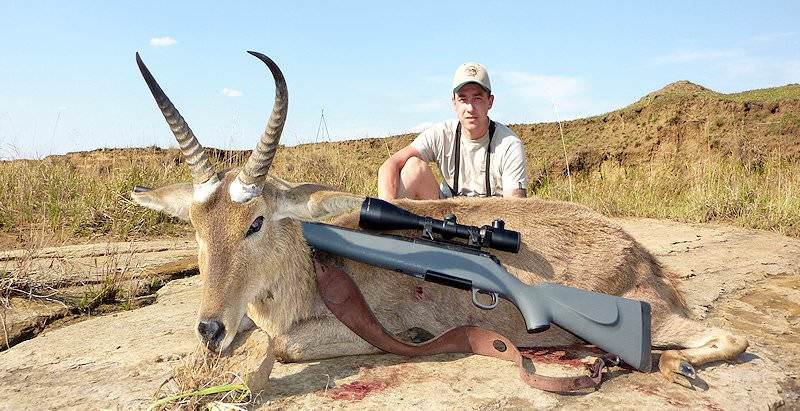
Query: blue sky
{"type": "Point", "coordinates": [68, 78]}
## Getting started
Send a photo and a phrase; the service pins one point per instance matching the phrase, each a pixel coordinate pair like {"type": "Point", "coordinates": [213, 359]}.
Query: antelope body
{"type": "Point", "coordinates": [257, 269]}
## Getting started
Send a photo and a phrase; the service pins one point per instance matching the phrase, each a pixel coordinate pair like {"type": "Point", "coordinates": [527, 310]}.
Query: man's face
{"type": "Point", "coordinates": [472, 104]}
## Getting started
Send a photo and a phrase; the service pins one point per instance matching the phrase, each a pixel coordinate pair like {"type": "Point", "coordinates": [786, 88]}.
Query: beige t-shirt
{"type": "Point", "coordinates": [507, 158]}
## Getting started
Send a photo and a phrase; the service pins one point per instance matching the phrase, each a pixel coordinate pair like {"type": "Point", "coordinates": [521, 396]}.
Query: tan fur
{"type": "Point", "coordinates": [269, 276]}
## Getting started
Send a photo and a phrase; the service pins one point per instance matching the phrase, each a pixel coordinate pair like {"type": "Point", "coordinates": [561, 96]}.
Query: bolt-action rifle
{"type": "Point", "coordinates": [618, 325]}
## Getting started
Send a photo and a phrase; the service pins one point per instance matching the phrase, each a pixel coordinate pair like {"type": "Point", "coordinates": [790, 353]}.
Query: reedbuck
{"type": "Point", "coordinates": [257, 269]}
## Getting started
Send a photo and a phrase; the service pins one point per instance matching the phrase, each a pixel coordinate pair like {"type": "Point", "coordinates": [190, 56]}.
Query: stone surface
{"type": "Point", "coordinates": [43, 286]}
{"type": "Point", "coordinates": [743, 280]}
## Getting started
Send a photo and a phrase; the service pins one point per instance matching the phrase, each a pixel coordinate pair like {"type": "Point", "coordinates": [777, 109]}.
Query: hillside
{"type": "Point", "coordinates": [683, 152]}
{"type": "Point", "coordinates": [682, 119]}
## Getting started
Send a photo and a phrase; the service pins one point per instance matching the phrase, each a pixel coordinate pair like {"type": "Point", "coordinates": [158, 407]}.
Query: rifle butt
{"type": "Point", "coordinates": [620, 326]}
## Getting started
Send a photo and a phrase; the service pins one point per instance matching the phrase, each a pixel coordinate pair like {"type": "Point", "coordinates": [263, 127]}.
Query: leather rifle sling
{"type": "Point", "coordinates": [457, 157]}
{"type": "Point", "coordinates": [343, 298]}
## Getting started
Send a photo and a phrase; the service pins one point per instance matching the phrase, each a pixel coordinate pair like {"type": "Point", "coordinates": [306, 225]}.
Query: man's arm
{"type": "Point", "coordinates": [514, 171]}
{"type": "Point", "coordinates": [389, 172]}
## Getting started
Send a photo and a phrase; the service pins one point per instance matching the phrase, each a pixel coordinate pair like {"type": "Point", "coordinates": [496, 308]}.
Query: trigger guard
{"type": "Point", "coordinates": [493, 304]}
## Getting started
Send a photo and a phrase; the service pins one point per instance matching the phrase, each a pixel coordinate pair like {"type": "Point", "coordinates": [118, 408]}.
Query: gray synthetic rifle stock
{"type": "Point", "coordinates": [617, 325]}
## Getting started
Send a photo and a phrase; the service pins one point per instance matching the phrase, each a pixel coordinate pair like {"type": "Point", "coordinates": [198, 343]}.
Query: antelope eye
{"type": "Point", "coordinates": [255, 225]}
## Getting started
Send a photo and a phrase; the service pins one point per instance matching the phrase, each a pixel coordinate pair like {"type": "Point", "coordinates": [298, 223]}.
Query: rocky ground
{"type": "Point", "coordinates": [744, 280]}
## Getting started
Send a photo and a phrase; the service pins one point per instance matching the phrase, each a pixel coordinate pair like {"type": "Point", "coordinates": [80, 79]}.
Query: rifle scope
{"type": "Point", "coordinates": [377, 214]}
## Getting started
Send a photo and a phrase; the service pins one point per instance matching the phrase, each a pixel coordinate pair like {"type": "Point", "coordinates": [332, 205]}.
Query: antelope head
{"type": "Point", "coordinates": [242, 219]}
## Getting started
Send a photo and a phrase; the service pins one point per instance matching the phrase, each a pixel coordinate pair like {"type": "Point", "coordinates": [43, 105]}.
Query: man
{"type": "Point", "coordinates": [459, 148]}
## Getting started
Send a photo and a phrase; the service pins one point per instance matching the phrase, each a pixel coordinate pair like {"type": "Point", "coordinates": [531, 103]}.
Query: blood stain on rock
{"type": "Point", "coordinates": [356, 390]}
{"type": "Point", "coordinates": [554, 356]}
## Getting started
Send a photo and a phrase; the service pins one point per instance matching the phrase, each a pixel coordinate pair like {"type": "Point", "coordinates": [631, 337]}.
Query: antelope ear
{"type": "Point", "coordinates": [314, 202]}
{"type": "Point", "coordinates": [174, 199]}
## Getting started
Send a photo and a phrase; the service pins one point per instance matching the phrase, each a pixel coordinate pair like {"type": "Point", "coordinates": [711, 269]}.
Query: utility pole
{"type": "Point", "coordinates": [322, 123]}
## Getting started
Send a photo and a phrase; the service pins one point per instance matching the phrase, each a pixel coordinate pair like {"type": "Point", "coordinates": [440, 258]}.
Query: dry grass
{"type": "Point", "coordinates": [58, 200]}
{"type": "Point", "coordinates": [202, 380]}
{"type": "Point", "coordinates": [714, 189]}
{"type": "Point", "coordinates": [683, 152]}
{"type": "Point", "coordinates": [64, 203]}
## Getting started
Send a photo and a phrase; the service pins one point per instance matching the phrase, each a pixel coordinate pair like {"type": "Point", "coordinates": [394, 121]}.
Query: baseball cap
{"type": "Point", "coordinates": [471, 72]}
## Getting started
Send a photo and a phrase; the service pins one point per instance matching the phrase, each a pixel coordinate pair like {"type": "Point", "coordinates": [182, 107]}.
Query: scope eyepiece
{"type": "Point", "coordinates": [377, 214]}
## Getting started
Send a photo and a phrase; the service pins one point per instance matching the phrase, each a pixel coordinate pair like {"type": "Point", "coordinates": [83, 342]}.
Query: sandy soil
{"type": "Point", "coordinates": [744, 280]}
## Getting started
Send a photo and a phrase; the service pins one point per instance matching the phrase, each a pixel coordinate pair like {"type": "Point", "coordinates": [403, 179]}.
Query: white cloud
{"type": "Point", "coordinates": [229, 92]}
{"type": "Point", "coordinates": [437, 80]}
{"type": "Point", "coordinates": [162, 41]}
{"type": "Point", "coordinates": [697, 55]}
{"type": "Point", "coordinates": [736, 69]}
{"type": "Point", "coordinates": [531, 97]}
{"type": "Point", "coordinates": [541, 86]}
{"type": "Point", "coordinates": [791, 70]}
{"type": "Point", "coordinates": [431, 105]}
{"type": "Point", "coordinates": [772, 37]}
{"type": "Point", "coordinates": [765, 72]}
{"type": "Point", "coordinates": [421, 126]}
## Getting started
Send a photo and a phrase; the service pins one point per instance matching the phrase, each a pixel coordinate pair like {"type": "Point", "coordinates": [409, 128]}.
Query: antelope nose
{"type": "Point", "coordinates": [211, 331]}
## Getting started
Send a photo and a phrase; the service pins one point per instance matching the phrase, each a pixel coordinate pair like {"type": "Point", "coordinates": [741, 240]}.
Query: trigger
{"type": "Point", "coordinates": [493, 304]}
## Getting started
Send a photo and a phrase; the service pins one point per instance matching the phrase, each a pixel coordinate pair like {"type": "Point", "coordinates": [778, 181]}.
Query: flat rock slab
{"type": "Point", "coordinates": [715, 260]}
{"type": "Point", "coordinates": [118, 360]}
{"type": "Point", "coordinates": [48, 284]}
{"type": "Point", "coordinates": [121, 360]}
{"type": "Point", "coordinates": [81, 264]}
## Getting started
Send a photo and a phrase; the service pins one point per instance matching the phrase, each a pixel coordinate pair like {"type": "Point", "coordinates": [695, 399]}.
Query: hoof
{"type": "Point", "coordinates": [675, 368]}
{"type": "Point", "coordinates": [680, 379]}
{"type": "Point", "coordinates": [286, 352]}
{"type": "Point", "coordinates": [687, 370]}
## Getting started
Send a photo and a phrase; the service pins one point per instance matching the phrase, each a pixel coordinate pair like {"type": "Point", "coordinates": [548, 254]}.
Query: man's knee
{"type": "Point", "coordinates": [414, 169]}
{"type": "Point", "coordinates": [417, 181]}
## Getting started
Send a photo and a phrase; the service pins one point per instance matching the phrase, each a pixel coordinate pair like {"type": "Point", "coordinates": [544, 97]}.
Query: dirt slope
{"type": "Point", "coordinates": [681, 122]}
{"type": "Point", "coordinates": [679, 119]}
{"type": "Point", "coordinates": [745, 280]}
